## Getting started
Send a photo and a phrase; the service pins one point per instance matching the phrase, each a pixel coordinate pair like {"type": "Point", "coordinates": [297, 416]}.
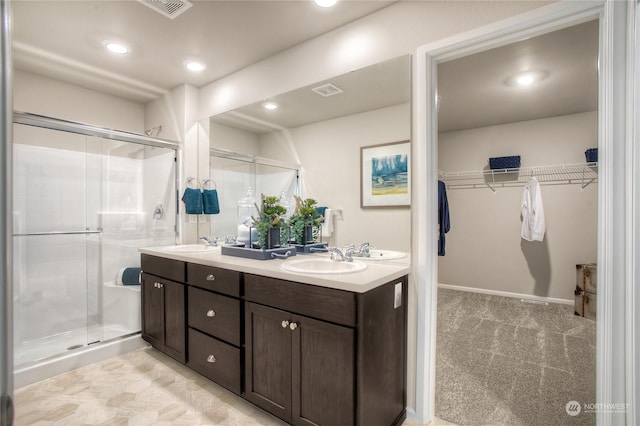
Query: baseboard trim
{"type": "Point", "coordinates": [508, 294]}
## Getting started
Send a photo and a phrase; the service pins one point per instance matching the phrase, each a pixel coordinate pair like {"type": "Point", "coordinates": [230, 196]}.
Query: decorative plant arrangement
{"type": "Point", "coordinates": [305, 220]}
{"type": "Point", "coordinates": [269, 222]}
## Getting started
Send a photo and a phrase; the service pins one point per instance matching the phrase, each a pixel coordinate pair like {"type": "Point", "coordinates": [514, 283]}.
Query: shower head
{"type": "Point", "coordinates": [154, 131]}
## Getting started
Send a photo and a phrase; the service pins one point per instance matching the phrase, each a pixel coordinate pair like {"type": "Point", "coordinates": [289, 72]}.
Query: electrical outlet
{"type": "Point", "coordinates": [397, 297]}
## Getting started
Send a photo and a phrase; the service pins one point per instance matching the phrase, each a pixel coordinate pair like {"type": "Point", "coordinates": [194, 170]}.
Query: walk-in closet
{"type": "Point", "coordinates": [517, 160]}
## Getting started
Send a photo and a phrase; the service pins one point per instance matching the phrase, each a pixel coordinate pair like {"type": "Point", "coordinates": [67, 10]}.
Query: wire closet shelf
{"type": "Point", "coordinates": [558, 174]}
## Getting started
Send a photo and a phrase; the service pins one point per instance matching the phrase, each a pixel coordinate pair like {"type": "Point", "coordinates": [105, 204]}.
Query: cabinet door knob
{"type": "Point", "coordinates": [211, 277]}
{"type": "Point", "coordinates": [285, 324]}
{"type": "Point", "coordinates": [157, 285]}
{"type": "Point", "coordinates": [211, 313]}
{"type": "Point", "coordinates": [211, 359]}
{"type": "Point", "coordinates": [293, 326]}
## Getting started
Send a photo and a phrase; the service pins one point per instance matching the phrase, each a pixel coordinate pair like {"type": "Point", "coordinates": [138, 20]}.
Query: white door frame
{"type": "Point", "coordinates": [616, 212]}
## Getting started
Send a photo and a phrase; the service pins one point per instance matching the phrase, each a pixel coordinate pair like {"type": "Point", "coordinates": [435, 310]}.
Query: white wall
{"type": "Point", "coordinates": [484, 249]}
{"type": "Point", "coordinates": [233, 139]}
{"type": "Point", "coordinates": [40, 95]}
{"type": "Point", "coordinates": [329, 152]}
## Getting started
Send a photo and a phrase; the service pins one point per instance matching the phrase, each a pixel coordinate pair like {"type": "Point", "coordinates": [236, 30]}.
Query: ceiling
{"type": "Point", "coordinates": [477, 90]}
{"type": "Point", "coordinates": [64, 39]}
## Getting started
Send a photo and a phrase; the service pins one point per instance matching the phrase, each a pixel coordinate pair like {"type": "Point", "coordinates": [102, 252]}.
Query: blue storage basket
{"type": "Point", "coordinates": [591, 155]}
{"type": "Point", "coordinates": [512, 162]}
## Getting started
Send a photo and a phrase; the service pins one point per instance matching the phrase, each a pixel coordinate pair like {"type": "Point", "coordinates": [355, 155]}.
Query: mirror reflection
{"type": "Point", "coordinates": [307, 142]}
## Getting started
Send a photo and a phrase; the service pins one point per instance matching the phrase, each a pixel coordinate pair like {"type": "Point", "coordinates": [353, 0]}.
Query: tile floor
{"type": "Point", "coordinates": [144, 387]}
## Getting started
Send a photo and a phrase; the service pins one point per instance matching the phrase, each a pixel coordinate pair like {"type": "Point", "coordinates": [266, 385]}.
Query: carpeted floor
{"type": "Point", "coordinates": [501, 361]}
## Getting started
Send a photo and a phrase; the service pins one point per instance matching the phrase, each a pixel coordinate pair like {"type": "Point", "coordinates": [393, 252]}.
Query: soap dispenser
{"type": "Point", "coordinates": [246, 212]}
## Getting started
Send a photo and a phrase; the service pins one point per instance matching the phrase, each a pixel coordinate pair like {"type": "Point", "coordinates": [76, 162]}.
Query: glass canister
{"type": "Point", "coordinates": [246, 212]}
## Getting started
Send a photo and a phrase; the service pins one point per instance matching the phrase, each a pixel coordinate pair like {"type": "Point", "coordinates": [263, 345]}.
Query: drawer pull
{"type": "Point", "coordinates": [211, 313]}
{"type": "Point", "coordinates": [285, 324]}
{"type": "Point", "coordinates": [293, 326]}
{"type": "Point", "coordinates": [157, 285]}
{"type": "Point", "coordinates": [211, 277]}
{"type": "Point", "coordinates": [211, 359]}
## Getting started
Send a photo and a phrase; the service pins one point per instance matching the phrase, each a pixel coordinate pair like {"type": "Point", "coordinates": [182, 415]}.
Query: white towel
{"type": "Point", "coordinates": [533, 226]}
{"type": "Point", "coordinates": [327, 225]}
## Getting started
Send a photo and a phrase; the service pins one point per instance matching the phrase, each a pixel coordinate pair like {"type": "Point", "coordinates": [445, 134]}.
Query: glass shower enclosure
{"type": "Point", "coordinates": [84, 201]}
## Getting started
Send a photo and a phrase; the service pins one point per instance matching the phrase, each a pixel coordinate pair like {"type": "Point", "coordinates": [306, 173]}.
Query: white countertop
{"type": "Point", "coordinates": [375, 274]}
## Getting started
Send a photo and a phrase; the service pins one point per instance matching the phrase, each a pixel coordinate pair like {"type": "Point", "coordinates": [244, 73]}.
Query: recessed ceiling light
{"type": "Point", "coordinates": [115, 47]}
{"type": "Point", "coordinates": [195, 66]}
{"type": "Point", "coordinates": [525, 79]}
{"type": "Point", "coordinates": [325, 3]}
{"type": "Point", "coordinates": [270, 105]}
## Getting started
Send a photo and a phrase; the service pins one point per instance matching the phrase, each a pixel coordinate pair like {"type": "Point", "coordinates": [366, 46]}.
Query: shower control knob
{"type": "Point", "coordinates": [211, 359]}
{"type": "Point", "coordinates": [285, 324]}
{"type": "Point", "coordinates": [211, 313]}
{"type": "Point", "coordinates": [293, 326]}
{"type": "Point", "coordinates": [211, 277]}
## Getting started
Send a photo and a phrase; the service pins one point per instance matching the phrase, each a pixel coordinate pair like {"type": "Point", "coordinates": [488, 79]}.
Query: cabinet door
{"type": "Point", "coordinates": [268, 359]}
{"type": "Point", "coordinates": [152, 310]}
{"type": "Point", "coordinates": [323, 373]}
{"type": "Point", "coordinates": [174, 319]}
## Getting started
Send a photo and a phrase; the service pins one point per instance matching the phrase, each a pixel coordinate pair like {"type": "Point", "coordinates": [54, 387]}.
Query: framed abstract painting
{"type": "Point", "coordinates": [384, 175]}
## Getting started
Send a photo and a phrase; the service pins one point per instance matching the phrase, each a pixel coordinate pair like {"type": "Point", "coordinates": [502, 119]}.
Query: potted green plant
{"type": "Point", "coordinates": [269, 222]}
{"type": "Point", "coordinates": [305, 221]}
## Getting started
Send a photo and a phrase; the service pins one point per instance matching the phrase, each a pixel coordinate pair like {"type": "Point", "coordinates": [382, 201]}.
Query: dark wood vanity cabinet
{"type": "Point", "coordinates": [308, 354]}
{"type": "Point", "coordinates": [163, 306]}
{"type": "Point", "coordinates": [345, 365]}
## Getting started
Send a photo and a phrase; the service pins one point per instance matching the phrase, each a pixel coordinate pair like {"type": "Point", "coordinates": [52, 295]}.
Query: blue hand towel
{"type": "Point", "coordinates": [129, 276]}
{"type": "Point", "coordinates": [210, 201]}
{"type": "Point", "coordinates": [321, 210]}
{"type": "Point", "coordinates": [192, 199]}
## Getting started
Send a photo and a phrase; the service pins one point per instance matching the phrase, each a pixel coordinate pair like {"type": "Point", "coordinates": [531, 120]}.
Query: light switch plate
{"type": "Point", "coordinates": [397, 298]}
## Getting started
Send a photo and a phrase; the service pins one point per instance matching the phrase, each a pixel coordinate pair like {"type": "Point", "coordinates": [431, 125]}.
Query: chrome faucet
{"type": "Point", "coordinates": [361, 251]}
{"type": "Point", "coordinates": [210, 241]}
{"type": "Point", "coordinates": [347, 256]}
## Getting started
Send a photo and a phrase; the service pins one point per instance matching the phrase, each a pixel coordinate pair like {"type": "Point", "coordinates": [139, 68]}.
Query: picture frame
{"type": "Point", "coordinates": [385, 179]}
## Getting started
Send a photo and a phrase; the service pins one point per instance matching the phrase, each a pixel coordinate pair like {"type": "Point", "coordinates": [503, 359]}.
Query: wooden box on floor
{"type": "Point", "coordinates": [585, 293]}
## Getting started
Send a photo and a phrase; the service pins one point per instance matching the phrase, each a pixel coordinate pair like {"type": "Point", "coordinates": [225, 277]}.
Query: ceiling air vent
{"type": "Point", "coordinates": [169, 8]}
{"type": "Point", "coordinates": [327, 90]}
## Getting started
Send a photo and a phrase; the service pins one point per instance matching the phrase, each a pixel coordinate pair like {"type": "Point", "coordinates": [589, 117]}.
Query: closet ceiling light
{"type": "Point", "coordinates": [325, 3]}
{"type": "Point", "coordinates": [115, 47]}
{"type": "Point", "coordinates": [270, 105]}
{"type": "Point", "coordinates": [194, 66]}
{"type": "Point", "coordinates": [526, 78]}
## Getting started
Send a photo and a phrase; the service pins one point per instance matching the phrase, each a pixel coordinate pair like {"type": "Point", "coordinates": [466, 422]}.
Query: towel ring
{"type": "Point", "coordinates": [208, 180]}
{"type": "Point", "coordinates": [190, 180]}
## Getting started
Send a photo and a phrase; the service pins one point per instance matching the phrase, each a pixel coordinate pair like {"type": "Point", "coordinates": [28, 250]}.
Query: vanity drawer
{"type": "Point", "coordinates": [163, 267]}
{"type": "Point", "coordinates": [214, 314]}
{"type": "Point", "coordinates": [215, 360]}
{"type": "Point", "coordinates": [323, 303]}
{"type": "Point", "coordinates": [214, 279]}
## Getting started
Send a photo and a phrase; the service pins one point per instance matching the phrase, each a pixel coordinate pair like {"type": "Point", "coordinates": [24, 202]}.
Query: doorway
{"type": "Point", "coordinates": [612, 142]}
{"type": "Point", "coordinates": [508, 341]}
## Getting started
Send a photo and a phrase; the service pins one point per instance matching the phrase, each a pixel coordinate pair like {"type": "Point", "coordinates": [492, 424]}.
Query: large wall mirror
{"type": "Point", "coordinates": [310, 144]}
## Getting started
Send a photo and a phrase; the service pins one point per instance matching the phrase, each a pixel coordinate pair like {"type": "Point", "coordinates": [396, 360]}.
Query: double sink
{"type": "Point", "coordinates": [308, 264]}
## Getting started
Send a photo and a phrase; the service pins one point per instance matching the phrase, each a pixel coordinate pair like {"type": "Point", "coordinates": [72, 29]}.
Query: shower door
{"type": "Point", "coordinates": [82, 206]}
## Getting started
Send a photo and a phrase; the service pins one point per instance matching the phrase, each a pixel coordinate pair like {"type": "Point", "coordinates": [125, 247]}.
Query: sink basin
{"type": "Point", "coordinates": [322, 266]}
{"type": "Point", "coordinates": [189, 248]}
{"type": "Point", "coordinates": [383, 255]}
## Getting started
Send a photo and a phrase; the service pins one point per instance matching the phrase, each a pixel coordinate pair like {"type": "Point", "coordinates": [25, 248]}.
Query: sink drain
{"type": "Point", "coordinates": [70, 348]}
